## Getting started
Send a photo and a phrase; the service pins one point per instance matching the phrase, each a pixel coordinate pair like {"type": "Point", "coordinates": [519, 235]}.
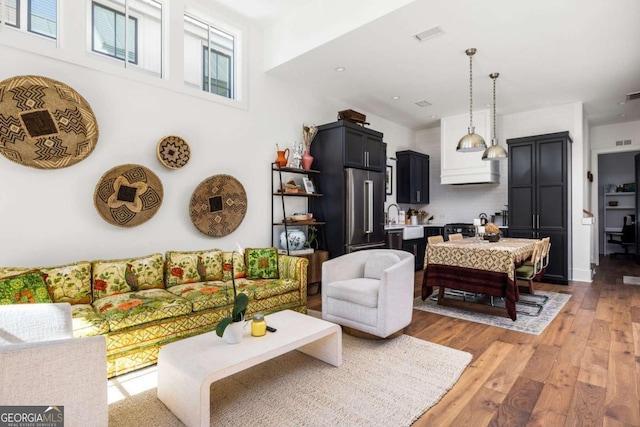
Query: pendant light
{"type": "Point", "coordinates": [471, 141]}
{"type": "Point", "coordinates": [495, 151]}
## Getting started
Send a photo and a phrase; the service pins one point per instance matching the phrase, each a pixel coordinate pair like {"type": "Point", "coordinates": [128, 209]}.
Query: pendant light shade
{"type": "Point", "coordinates": [471, 141]}
{"type": "Point", "coordinates": [495, 151]}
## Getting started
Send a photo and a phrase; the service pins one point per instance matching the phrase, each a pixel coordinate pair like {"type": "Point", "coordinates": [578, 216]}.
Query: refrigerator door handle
{"type": "Point", "coordinates": [368, 203]}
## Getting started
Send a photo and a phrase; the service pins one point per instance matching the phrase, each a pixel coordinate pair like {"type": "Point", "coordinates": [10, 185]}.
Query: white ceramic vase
{"type": "Point", "coordinates": [234, 332]}
{"type": "Point", "coordinates": [296, 238]}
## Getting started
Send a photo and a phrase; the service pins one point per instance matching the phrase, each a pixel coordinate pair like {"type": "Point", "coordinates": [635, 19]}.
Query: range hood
{"type": "Point", "coordinates": [466, 168]}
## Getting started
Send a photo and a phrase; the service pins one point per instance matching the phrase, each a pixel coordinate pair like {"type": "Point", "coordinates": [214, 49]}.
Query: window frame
{"type": "Point", "coordinates": [206, 70]}
{"type": "Point", "coordinates": [3, 17]}
{"type": "Point", "coordinates": [29, 30]}
{"type": "Point", "coordinates": [126, 16]}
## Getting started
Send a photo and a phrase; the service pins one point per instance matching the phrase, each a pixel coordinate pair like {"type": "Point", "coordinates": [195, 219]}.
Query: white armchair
{"type": "Point", "coordinates": [41, 364]}
{"type": "Point", "coordinates": [370, 291]}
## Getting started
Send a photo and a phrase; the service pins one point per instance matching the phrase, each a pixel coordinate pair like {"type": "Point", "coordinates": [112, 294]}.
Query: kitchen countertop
{"type": "Point", "coordinates": [401, 226]}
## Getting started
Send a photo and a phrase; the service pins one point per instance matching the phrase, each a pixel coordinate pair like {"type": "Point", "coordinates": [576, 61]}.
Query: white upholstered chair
{"type": "Point", "coordinates": [41, 364]}
{"type": "Point", "coordinates": [370, 291]}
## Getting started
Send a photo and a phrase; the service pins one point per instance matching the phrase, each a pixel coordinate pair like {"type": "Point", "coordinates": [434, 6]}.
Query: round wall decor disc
{"type": "Point", "coordinates": [173, 152]}
{"type": "Point", "coordinates": [128, 195]}
{"type": "Point", "coordinates": [44, 123]}
{"type": "Point", "coordinates": [218, 205]}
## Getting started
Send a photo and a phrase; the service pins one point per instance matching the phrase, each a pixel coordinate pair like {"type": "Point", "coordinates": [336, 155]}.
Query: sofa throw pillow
{"type": "Point", "coordinates": [261, 263]}
{"type": "Point", "coordinates": [377, 263]}
{"type": "Point", "coordinates": [193, 267]}
{"type": "Point", "coordinates": [118, 276]}
{"type": "Point", "coordinates": [25, 288]}
{"type": "Point", "coordinates": [66, 283]}
{"type": "Point", "coordinates": [239, 269]}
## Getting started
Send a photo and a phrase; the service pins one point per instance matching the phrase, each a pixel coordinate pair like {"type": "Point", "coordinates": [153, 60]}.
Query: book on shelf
{"type": "Point", "coordinates": [304, 251]}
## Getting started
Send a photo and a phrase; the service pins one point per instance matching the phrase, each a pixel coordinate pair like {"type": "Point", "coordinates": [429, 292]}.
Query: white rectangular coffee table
{"type": "Point", "coordinates": [186, 368]}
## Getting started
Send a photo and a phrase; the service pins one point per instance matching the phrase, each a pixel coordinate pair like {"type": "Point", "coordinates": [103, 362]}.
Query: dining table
{"type": "Point", "coordinates": [476, 266]}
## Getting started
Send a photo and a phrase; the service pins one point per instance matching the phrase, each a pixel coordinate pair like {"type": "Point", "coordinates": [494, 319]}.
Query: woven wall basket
{"type": "Point", "coordinates": [44, 123]}
{"type": "Point", "coordinates": [173, 152]}
{"type": "Point", "coordinates": [128, 195]}
{"type": "Point", "coordinates": [218, 205]}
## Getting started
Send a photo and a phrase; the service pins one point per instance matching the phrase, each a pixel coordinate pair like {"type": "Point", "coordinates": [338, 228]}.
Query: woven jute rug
{"type": "Point", "coordinates": [525, 322]}
{"type": "Point", "coordinates": [380, 383]}
{"type": "Point", "coordinates": [128, 195]}
{"type": "Point", "coordinates": [218, 205]}
{"type": "Point", "coordinates": [44, 123]}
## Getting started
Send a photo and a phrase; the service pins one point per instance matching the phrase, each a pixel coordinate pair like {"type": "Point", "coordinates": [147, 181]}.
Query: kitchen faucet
{"type": "Point", "coordinates": [388, 220]}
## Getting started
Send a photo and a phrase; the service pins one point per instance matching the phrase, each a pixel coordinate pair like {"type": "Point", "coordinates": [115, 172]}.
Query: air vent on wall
{"type": "Point", "coordinates": [429, 34]}
{"type": "Point", "coordinates": [623, 142]}
{"type": "Point", "coordinates": [633, 96]}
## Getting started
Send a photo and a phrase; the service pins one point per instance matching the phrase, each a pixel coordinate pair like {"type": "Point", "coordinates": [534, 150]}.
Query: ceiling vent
{"type": "Point", "coordinates": [633, 96]}
{"type": "Point", "coordinates": [423, 103]}
{"type": "Point", "coordinates": [429, 34]}
{"type": "Point", "coordinates": [623, 142]}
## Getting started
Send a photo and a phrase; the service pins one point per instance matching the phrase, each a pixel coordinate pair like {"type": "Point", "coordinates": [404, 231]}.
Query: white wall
{"type": "Point", "coordinates": [47, 217]}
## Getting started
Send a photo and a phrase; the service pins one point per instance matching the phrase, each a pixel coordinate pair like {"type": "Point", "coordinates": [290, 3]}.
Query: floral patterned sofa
{"type": "Point", "coordinates": [139, 304]}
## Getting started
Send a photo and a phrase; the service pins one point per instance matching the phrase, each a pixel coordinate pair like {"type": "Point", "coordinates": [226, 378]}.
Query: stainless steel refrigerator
{"type": "Point", "coordinates": [364, 221]}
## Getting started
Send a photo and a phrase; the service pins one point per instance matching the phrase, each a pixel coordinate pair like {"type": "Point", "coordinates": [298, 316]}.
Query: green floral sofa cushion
{"type": "Point", "coordinates": [192, 267]}
{"type": "Point", "coordinates": [118, 276]}
{"type": "Point", "coordinates": [66, 283]}
{"type": "Point", "coordinates": [261, 263]}
{"type": "Point", "coordinates": [136, 308]}
{"type": "Point", "coordinates": [70, 283]}
{"type": "Point", "coordinates": [265, 288]}
{"type": "Point", "coordinates": [24, 288]}
{"type": "Point", "coordinates": [87, 322]}
{"type": "Point", "coordinates": [205, 295]}
{"type": "Point", "coordinates": [239, 269]}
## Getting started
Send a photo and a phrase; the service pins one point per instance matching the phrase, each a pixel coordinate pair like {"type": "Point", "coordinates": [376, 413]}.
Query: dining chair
{"type": "Point", "coordinates": [435, 239]}
{"type": "Point", "coordinates": [529, 269]}
{"type": "Point", "coordinates": [454, 237]}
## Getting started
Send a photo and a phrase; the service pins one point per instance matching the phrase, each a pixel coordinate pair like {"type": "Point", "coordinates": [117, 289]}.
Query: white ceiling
{"type": "Point", "coordinates": [548, 52]}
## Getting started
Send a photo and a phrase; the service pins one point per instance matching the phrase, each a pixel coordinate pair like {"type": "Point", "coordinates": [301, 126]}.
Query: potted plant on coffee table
{"type": "Point", "coordinates": [236, 318]}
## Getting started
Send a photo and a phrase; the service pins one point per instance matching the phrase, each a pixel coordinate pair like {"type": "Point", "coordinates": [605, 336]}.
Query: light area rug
{"type": "Point", "coordinates": [380, 383]}
{"type": "Point", "coordinates": [524, 323]}
{"type": "Point", "coordinates": [631, 280]}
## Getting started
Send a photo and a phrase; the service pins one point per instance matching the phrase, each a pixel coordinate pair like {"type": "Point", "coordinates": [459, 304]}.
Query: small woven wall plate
{"type": "Point", "coordinates": [128, 195]}
{"type": "Point", "coordinates": [218, 205]}
{"type": "Point", "coordinates": [173, 152]}
{"type": "Point", "coordinates": [44, 123]}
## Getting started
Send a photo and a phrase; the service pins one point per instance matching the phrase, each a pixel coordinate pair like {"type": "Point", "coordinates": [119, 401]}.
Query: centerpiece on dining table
{"type": "Point", "coordinates": [491, 232]}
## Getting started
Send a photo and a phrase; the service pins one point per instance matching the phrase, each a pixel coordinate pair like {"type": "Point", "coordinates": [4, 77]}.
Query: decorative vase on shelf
{"type": "Point", "coordinates": [296, 238]}
{"type": "Point", "coordinates": [282, 157]}
{"type": "Point", "coordinates": [307, 160]}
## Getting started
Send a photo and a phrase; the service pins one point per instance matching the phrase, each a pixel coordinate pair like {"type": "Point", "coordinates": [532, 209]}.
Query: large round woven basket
{"type": "Point", "coordinates": [128, 195]}
{"type": "Point", "coordinates": [44, 123]}
{"type": "Point", "coordinates": [218, 205]}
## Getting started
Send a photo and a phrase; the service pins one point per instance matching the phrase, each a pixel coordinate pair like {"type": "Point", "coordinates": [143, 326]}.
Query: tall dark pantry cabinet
{"type": "Point", "coordinates": [540, 196]}
{"type": "Point", "coordinates": [352, 159]}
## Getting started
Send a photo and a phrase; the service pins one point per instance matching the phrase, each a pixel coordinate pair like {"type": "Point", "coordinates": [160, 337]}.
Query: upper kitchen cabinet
{"type": "Point", "coordinates": [540, 195]}
{"type": "Point", "coordinates": [412, 177]}
{"type": "Point", "coordinates": [360, 147]}
{"type": "Point", "coordinates": [465, 168]}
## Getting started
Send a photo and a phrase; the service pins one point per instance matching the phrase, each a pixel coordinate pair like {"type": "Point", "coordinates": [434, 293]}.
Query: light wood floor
{"type": "Point", "coordinates": [583, 370]}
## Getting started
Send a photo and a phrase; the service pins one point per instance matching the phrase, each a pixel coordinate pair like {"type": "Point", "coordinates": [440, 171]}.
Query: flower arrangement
{"type": "Point", "coordinates": [240, 303]}
{"type": "Point", "coordinates": [308, 133]}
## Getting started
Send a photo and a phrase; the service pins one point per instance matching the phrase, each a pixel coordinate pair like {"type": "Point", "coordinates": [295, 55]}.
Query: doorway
{"type": "Point", "coordinates": [615, 195]}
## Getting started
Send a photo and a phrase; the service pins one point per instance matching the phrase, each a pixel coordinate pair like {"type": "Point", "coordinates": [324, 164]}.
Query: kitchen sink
{"type": "Point", "coordinates": [412, 232]}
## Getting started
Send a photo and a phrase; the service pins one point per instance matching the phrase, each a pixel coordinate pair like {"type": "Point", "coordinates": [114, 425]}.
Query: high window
{"type": "Point", "coordinates": [209, 58]}
{"type": "Point", "coordinates": [41, 16]}
{"type": "Point", "coordinates": [139, 40]}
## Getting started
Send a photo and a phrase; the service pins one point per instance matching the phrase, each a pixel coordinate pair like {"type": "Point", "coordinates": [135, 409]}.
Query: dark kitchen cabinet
{"type": "Point", "coordinates": [360, 147]}
{"type": "Point", "coordinates": [540, 196]}
{"type": "Point", "coordinates": [412, 177]}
